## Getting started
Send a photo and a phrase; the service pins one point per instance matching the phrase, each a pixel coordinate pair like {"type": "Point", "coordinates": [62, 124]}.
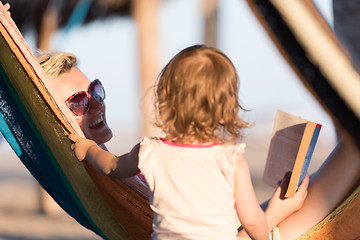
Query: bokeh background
{"type": "Point", "coordinates": [108, 50]}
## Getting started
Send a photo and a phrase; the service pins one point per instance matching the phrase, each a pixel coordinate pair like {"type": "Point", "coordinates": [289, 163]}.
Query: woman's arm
{"type": "Point", "coordinates": [336, 179]}
{"type": "Point", "coordinates": [105, 162]}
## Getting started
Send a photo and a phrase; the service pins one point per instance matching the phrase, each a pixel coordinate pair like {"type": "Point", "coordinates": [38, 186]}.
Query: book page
{"type": "Point", "coordinates": [284, 145]}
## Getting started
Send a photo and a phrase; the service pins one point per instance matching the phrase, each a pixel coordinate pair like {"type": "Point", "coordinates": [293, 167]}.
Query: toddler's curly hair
{"type": "Point", "coordinates": [197, 97]}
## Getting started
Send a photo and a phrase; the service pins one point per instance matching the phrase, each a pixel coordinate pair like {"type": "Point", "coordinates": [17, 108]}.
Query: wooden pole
{"type": "Point", "coordinates": [145, 13]}
{"type": "Point", "coordinates": [210, 14]}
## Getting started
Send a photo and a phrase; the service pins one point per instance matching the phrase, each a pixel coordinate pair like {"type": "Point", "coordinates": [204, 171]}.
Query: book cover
{"type": "Point", "coordinates": [291, 148]}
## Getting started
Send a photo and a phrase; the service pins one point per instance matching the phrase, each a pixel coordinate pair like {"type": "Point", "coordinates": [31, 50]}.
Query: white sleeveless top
{"type": "Point", "coordinates": [192, 189]}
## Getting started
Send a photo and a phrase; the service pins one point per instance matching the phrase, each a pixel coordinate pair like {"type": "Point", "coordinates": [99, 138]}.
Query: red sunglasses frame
{"type": "Point", "coordinates": [89, 93]}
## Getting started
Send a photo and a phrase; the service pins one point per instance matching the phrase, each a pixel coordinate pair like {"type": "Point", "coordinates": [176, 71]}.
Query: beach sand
{"type": "Point", "coordinates": [20, 218]}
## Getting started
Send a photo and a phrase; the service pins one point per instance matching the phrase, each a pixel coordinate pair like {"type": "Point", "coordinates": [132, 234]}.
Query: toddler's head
{"type": "Point", "coordinates": [197, 97]}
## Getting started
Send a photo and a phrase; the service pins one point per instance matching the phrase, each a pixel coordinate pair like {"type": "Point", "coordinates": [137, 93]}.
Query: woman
{"type": "Point", "coordinates": [85, 99]}
{"type": "Point", "coordinates": [71, 82]}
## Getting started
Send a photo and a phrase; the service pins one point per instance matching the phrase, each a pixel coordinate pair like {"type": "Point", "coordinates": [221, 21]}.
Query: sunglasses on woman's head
{"type": "Point", "coordinates": [79, 102]}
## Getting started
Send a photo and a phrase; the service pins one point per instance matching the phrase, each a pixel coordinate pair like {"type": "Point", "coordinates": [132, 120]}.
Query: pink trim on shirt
{"type": "Point", "coordinates": [187, 145]}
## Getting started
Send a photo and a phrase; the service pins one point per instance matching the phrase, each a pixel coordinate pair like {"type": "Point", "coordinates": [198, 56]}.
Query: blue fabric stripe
{"type": "Point", "coordinates": [5, 130]}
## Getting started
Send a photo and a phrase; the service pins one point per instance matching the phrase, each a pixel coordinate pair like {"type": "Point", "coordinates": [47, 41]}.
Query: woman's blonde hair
{"type": "Point", "coordinates": [56, 63]}
{"type": "Point", "coordinates": [197, 97]}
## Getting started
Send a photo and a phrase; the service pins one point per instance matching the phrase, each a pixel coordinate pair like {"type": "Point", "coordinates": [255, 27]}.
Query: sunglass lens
{"type": "Point", "coordinates": [79, 104]}
{"type": "Point", "coordinates": [97, 91]}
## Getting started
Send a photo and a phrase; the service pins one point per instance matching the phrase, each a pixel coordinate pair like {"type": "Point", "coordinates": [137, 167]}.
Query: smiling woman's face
{"type": "Point", "coordinates": [93, 122]}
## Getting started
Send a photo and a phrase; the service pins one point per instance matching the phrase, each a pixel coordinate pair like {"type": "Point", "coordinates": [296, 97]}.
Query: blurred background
{"type": "Point", "coordinates": [126, 51]}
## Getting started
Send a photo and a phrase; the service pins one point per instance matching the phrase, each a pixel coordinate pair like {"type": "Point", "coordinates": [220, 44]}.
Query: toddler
{"type": "Point", "coordinates": [197, 174]}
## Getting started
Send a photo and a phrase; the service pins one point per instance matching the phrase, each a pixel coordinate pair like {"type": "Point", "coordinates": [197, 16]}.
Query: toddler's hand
{"type": "Point", "coordinates": [280, 208]}
{"type": "Point", "coordinates": [80, 146]}
{"type": "Point", "coordinates": [7, 6]}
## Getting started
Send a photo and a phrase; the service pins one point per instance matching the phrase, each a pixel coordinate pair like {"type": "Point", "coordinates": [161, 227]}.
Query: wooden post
{"type": "Point", "coordinates": [210, 14]}
{"type": "Point", "coordinates": [145, 13]}
{"type": "Point", "coordinates": [49, 25]}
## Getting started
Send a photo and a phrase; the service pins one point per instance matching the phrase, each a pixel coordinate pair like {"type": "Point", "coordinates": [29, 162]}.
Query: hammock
{"type": "Point", "coordinates": [36, 125]}
{"type": "Point", "coordinates": [310, 47]}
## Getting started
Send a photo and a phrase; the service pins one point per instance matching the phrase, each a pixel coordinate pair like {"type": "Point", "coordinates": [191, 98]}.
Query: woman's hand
{"type": "Point", "coordinates": [81, 146]}
{"type": "Point", "coordinates": [279, 208]}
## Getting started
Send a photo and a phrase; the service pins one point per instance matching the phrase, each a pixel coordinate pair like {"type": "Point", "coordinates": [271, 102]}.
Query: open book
{"type": "Point", "coordinates": [291, 147]}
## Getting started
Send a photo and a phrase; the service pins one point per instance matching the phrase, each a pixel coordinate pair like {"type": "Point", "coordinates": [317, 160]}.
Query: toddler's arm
{"type": "Point", "coordinates": [105, 162]}
{"type": "Point", "coordinates": [251, 216]}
